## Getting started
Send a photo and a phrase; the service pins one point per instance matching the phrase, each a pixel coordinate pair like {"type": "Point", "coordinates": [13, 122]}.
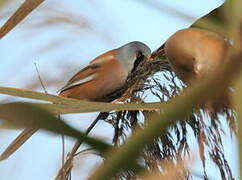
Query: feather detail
{"type": "Point", "coordinates": [107, 56]}
{"type": "Point", "coordinates": [78, 82]}
{"type": "Point", "coordinates": [89, 73]}
{"type": "Point", "coordinates": [102, 76]}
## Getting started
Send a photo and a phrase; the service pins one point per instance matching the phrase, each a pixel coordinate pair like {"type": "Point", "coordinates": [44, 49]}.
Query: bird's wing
{"type": "Point", "coordinates": [83, 76]}
{"type": "Point", "coordinates": [88, 73]}
{"type": "Point", "coordinates": [108, 56]}
{"type": "Point", "coordinates": [21, 139]}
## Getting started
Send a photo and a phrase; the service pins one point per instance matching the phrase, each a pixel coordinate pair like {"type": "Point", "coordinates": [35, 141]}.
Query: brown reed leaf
{"type": "Point", "coordinates": [27, 7]}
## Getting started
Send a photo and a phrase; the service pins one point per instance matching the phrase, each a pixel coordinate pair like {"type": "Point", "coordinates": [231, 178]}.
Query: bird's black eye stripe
{"type": "Point", "coordinates": [139, 58]}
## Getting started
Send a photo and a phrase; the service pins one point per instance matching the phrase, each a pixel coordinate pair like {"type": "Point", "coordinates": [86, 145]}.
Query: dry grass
{"type": "Point", "coordinates": [156, 79]}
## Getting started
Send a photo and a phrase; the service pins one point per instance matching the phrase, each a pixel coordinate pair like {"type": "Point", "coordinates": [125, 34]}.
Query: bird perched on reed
{"type": "Point", "coordinates": [194, 54]}
{"type": "Point", "coordinates": [105, 74]}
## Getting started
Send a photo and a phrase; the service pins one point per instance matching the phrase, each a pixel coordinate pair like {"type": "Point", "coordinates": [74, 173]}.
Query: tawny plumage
{"type": "Point", "coordinates": [194, 54]}
{"type": "Point", "coordinates": [100, 79]}
{"type": "Point", "coordinates": [105, 74]}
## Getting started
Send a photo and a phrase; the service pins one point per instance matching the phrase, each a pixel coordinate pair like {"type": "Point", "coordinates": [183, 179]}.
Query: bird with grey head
{"type": "Point", "coordinates": [104, 74]}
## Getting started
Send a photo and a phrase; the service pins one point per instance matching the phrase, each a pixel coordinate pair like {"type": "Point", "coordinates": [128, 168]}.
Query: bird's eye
{"type": "Point", "coordinates": [139, 58]}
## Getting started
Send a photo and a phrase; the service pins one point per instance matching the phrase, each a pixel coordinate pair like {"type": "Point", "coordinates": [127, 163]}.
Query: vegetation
{"type": "Point", "coordinates": [151, 139]}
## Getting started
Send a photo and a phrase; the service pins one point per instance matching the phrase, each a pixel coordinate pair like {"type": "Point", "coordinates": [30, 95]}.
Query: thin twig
{"type": "Point", "coordinates": [63, 148]}
{"type": "Point", "coordinates": [85, 151]}
{"type": "Point", "coordinates": [63, 152]}
{"type": "Point", "coordinates": [68, 163]}
{"type": "Point", "coordinates": [62, 135]}
{"type": "Point", "coordinates": [41, 82]}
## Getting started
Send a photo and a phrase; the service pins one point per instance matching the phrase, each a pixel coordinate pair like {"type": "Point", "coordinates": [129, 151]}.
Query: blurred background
{"type": "Point", "coordinates": [61, 38]}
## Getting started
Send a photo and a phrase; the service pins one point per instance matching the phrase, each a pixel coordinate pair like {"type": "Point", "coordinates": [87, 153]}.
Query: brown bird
{"type": "Point", "coordinates": [196, 53]}
{"type": "Point", "coordinates": [105, 74]}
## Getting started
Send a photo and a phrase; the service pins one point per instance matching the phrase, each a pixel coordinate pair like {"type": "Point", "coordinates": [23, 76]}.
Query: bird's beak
{"type": "Point", "coordinates": [149, 59]}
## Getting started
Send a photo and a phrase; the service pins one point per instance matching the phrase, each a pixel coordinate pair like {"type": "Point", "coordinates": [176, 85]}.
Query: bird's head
{"type": "Point", "coordinates": [130, 55]}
